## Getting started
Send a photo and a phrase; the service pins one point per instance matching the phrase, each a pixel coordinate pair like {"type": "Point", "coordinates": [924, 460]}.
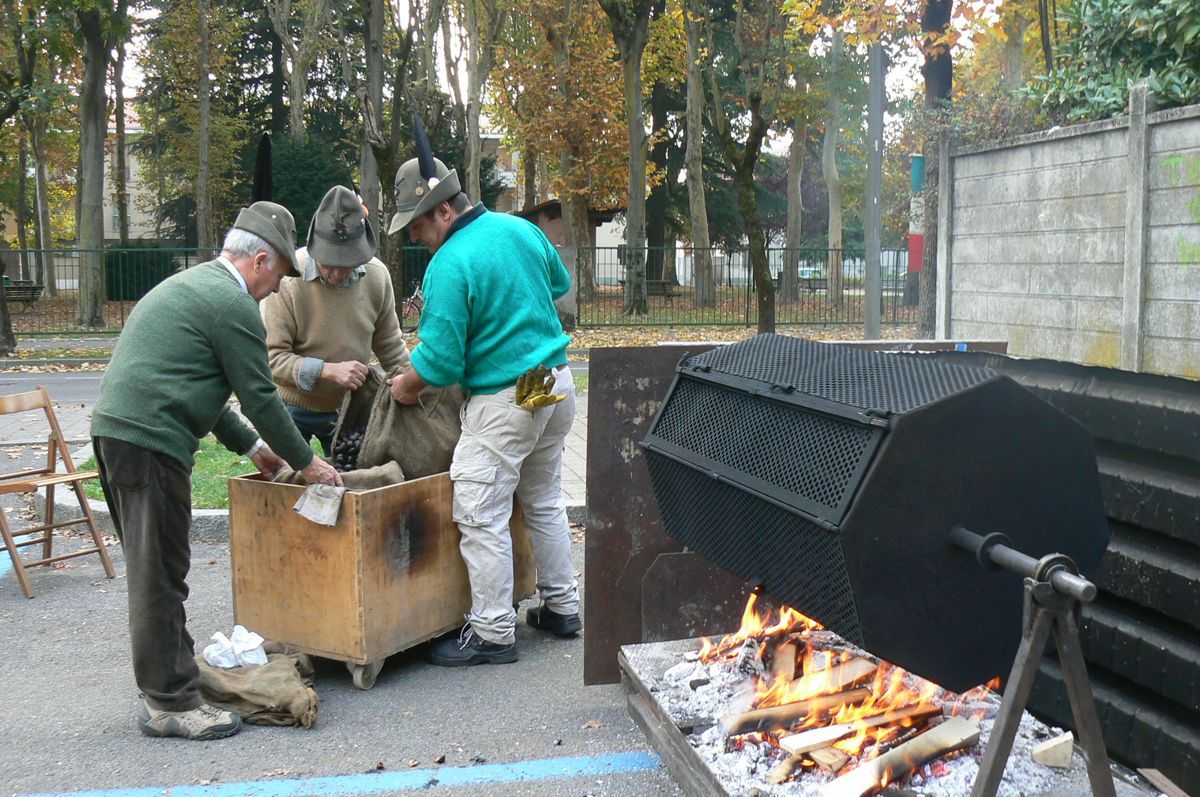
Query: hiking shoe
{"type": "Point", "coordinates": [470, 648]}
{"type": "Point", "coordinates": [201, 723]}
{"type": "Point", "coordinates": [543, 619]}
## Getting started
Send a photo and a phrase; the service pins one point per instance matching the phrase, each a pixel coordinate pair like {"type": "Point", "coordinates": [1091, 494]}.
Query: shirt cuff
{"type": "Point", "coordinates": [310, 373]}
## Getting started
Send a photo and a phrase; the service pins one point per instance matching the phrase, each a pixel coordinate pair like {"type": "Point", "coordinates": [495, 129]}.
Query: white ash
{"type": "Point", "coordinates": [742, 766]}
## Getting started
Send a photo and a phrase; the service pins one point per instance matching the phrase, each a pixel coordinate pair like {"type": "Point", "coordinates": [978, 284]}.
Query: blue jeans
{"type": "Point", "coordinates": [315, 424]}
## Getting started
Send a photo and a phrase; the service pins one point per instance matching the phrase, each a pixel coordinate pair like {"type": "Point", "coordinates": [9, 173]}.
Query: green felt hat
{"type": "Point", "coordinates": [275, 225]}
{"type": "Point", "coordinates": [340, 235]}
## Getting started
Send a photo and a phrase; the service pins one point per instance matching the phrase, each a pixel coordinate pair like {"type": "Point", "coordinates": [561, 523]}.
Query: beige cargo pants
{"type": "Point", "coordinates": [506, 450]}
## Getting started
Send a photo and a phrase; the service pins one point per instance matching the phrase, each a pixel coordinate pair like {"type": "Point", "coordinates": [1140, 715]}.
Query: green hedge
{"type": "Point", "coordinates": [130, 272]}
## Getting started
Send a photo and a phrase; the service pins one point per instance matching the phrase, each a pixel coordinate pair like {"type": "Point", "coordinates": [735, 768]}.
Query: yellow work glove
{"type": "Point", "coordinates": [535, 388]}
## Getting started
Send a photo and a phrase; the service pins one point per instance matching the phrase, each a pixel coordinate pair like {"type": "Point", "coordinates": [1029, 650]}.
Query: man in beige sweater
{"type": "Point", "coordinates": [323, 327]}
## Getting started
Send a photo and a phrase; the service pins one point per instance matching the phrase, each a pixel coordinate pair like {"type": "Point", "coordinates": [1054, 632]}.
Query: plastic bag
{"type": "Point", "coordinates": [242, 648]}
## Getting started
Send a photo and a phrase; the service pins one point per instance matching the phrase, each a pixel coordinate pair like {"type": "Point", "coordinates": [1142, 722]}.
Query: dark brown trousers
{"type": "Point", "coordinates": [150, 497]}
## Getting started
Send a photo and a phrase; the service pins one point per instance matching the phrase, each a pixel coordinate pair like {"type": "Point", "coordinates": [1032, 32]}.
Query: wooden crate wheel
{"type": "Point", "coordinates": [364, 675]}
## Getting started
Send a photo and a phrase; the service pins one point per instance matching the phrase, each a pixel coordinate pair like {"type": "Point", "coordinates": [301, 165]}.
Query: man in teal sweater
{"type": "Point", "coordinates": [190, 343]}
{"type": "Point", "coordinates": [489, 317]}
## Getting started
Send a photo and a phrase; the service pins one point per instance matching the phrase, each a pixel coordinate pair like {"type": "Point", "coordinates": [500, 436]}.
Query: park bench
{"type": "Point", "coordinates": [26, 291]}
{"type": "Point", "coordinates": [664, 288]}
{"type": "Point", "coordinates": [812, 284]}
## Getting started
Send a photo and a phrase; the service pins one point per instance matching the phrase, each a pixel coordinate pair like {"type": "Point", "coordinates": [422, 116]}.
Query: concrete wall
{"type": "Point", "coordinates": [1081, 244]}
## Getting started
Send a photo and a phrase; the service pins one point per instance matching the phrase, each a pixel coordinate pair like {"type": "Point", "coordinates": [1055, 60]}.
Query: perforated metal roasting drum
{"type": "Point", "coordinates": [832, 477]}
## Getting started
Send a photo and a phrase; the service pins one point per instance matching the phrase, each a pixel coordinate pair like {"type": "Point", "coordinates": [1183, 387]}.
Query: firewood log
{"type": "Point", "coordinates": [814, 738]}
{"type": "Point", "coordinates": [784, 769]}
{"type": "Point", "coordinates": [783, 663]}
{"type": "Point", "coordinates": [842, 675]}
{"type": "Point", "coordinates": [830, 758]}
{"type": "Point", "coordinates": [782, 716]}
{"type": "Point", "coordinates": [954, 734]}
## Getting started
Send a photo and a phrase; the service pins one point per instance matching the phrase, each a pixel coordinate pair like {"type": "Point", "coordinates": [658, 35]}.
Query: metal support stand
{"type": "Point", "coordinates": [1053, 595]}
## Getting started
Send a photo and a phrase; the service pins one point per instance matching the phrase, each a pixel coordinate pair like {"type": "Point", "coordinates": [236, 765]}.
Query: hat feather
{"type": "Point", "coordinates": [424, 151]}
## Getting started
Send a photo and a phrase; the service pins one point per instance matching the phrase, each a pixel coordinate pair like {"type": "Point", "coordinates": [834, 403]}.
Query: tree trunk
{"type": "Point", "coordinates": [939, 80]}
{"type": "Point", "coordinates": [656, 202]}
{"type": "Point", "coordinates": [789, 287]}
{"type": "Point", "coordinates": [122, 176]}
{"type": "Point", "coordinates": [1014, 51]}
{"type": "Point", "coordinates": [702, 266]}
{"type": "Point", "coordinates": [759, 267]}
{"type": "Point", "coordinates": [529, 172]}
{"type": "Point", "coordinates": [278, 88]}
{"type": "Point", "coordinates": [92, 124]}
{"type": "Point", "coordinates": [482, 35]}
{"type": "Point", "coordinates": [204, 225]}
{"type": "Point", "coordinates": [635, 213]}
{"type": "Point", "coordinates": [373, 16]}
{"type": "Point", "coordinates": [833, 181]}
{"type": "Point", "coordinates": [22, 208]}
{"type": "Point", "coordinates": [41, 191]}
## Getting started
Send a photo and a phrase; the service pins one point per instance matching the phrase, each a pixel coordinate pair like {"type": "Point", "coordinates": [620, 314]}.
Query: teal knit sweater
{"type": "Point", "coordinates": [187, 346]}
{"type": "Point", "coordinates": [489, 304]}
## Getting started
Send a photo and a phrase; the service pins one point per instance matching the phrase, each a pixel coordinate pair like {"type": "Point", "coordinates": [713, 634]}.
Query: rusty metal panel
{"type": "Point", "coordinates": [626, 386]}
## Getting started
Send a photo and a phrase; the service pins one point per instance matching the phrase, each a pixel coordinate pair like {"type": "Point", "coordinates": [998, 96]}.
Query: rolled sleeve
{"type": "Point", "coordinates": [309, 375]}
{"type": "Point", "coordinates": [440, 358]}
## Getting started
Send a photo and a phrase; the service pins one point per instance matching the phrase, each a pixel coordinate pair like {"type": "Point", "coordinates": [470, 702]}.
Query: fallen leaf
{"type": "Point", "coordinates": [440, 759]}
{"type": "Point", "coordinates": [413, 762]}
{"type": "Point", "coordinates": [592, 724]}
{"type": "Point", "coordinates": [274, 773]}
{"type": "Point", "coordinates": [212, 561]}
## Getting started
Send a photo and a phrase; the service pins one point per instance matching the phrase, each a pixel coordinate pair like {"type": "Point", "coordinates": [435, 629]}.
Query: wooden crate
{"type": "Point", "coordinates": [388, 576]}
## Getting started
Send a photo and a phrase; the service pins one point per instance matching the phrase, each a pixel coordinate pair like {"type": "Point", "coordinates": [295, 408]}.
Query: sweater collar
{"type": "Point", "coordinates": [465, 219]}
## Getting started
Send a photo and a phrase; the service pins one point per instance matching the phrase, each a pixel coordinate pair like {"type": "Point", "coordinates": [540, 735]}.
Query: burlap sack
{"type": "Point", "coordinates": [361, 479]}
{"type": "Point", "coordinates": [421, 436]}
{"type": "Point", "coordinates": [356, 405]}
{"type": "Point", "coordinates": [280, 692]}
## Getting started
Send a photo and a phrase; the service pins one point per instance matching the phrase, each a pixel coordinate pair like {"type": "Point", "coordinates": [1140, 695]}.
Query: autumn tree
{"type": "Point", "coordinates": [629, 21]}
{"type": "Point", "coordinates": [99, 25]}
{"type": "Point", "coordinates": [302, 30]}
{"type": "Point", "coordinates": [559, 62]}
{"type": "Point", "coordinates": [745, 89]}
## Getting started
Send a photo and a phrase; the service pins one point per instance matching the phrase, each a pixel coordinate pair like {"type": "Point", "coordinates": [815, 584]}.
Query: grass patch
{"type": "Point", "coordinates": [215, 465]}
{"type": "Point", "coordinates": [581, 382]}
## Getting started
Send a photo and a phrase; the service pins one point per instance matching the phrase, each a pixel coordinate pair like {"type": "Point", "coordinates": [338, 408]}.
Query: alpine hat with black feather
{"type": "Point", "coordinates": [340, 234]}
{"type": "Point", "coordinates": [422, 183]}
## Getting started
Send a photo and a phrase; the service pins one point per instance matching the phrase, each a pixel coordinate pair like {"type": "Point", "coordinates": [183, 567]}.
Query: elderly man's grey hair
{"type": "Point", "coordinates": [242, 243]}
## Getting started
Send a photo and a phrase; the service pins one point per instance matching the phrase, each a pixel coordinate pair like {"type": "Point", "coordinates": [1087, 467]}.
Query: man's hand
{"type": "Point", "coordinates": [267, 461]}
{"type": "Point", "coordinates": [407, 387]}
{"type": "Point", "coordinates": [321, 472]}
{"type": "Point", "coordinates": [349, 374]}
{"type": "Point", "coordinates": [535, 388]}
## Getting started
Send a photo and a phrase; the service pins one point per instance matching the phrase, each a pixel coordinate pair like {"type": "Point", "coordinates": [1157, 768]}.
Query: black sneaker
{"type": "Point", "coordinates": [470, 648]}
{"type": "Point", "coordinates": [543, 619]}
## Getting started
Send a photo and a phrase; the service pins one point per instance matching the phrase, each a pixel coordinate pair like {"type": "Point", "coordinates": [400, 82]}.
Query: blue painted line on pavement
{"type": "Point", "coordinates": [391, 782]}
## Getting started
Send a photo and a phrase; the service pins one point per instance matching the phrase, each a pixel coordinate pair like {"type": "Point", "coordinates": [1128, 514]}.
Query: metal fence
{"type": "Point", "coordinates": [42, 287]}
{"type": "Point", "coordinates": [671, 288]}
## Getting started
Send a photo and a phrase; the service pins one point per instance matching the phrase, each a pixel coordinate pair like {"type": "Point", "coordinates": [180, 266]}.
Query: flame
{"type": "Point", "coordinates": [755, 626]}
{"type": "Point", "coordinates": [891, 687]}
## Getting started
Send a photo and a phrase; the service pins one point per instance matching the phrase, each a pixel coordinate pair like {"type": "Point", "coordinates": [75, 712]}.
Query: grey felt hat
{"type": "Point", "coordinates": [275, 225]}
{"type": "Point", "coordinates": [340, 234]}
{"type": "Point", "coordinates": [416, 194]}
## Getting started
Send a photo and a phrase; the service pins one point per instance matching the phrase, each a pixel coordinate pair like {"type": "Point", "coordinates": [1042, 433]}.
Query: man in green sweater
{"type": "Point", "coordinates": [323, 328]}
{"type": "Point", "coordinates": [190, 343]}
{"type": "Point", "coordinates": [489, 317]}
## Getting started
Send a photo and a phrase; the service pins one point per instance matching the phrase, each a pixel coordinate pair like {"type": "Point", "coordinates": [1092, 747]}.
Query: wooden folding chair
{"type": "Point", "coordinates": [30, 481]}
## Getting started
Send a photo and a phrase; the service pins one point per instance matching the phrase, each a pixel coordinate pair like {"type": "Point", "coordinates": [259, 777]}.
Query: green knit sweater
{"type": "Point", "coordinates": [489, 304]}
{"type": "Point", "coordinates": [187, 346]}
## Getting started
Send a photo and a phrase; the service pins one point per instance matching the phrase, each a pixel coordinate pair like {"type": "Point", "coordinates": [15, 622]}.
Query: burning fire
{"type": "Point", "coordinates": [891, 688]}
{"type": "Point", "coordinates": [755, 626]}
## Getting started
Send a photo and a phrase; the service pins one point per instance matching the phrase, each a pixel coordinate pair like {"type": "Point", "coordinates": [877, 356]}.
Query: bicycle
{"type": "Point", "coordinates": [411, 306]}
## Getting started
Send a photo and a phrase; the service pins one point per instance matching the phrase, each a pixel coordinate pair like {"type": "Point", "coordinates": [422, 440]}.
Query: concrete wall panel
{"type": "Point", "coordinates": [1042, 234]}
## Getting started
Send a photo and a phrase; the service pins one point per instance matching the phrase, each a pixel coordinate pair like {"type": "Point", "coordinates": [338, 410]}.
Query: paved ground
{"type": "Point", "coordinates": [67, 724]}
